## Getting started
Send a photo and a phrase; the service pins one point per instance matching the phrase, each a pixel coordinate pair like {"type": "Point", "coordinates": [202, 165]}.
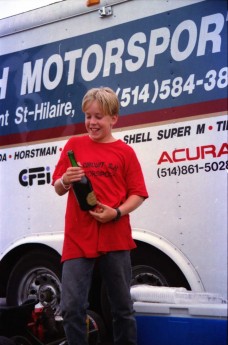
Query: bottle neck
{"type": "Point", "coordinates": [72, 159]}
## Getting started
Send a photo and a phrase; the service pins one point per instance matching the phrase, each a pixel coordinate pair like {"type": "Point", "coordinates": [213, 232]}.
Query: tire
{"type": "Point", "coordinates": [144, 274]}
{"type": "Point", "coordinates": [36, 276]}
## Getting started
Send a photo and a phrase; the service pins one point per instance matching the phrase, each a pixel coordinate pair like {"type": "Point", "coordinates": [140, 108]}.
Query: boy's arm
{"type": "Point", "coordinates": [106, 213]}
{"type": "Point", "coordinates": [131, 204]}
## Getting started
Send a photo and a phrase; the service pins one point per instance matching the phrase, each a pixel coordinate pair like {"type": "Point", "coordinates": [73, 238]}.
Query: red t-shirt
{"type": "Point", "coordinates": [115, 174]}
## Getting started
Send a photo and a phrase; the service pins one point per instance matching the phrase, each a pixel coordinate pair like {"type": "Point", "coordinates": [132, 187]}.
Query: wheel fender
{"type": "Point", "coordinates": [174, 253]}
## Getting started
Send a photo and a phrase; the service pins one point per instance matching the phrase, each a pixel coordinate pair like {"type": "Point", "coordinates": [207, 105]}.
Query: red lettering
{"type": "Point", "coordinates": [209, 149]}
{"type": "Point", "coordinates": [192, 158]}
{"type": "Point", "coordinates": [165, 158]}
{"type": "Point", "coordinates": [223, 150]}
{"type": "Point", "coordinates": [201, 152]}
{"type": "Point", "coordinates": [175, 152]}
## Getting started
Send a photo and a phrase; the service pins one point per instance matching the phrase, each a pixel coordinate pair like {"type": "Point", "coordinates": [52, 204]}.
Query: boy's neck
{"type": "Point", "coordinates": [111, 139]}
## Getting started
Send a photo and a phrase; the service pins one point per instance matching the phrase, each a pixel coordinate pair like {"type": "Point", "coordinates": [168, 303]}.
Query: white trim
{"type": "Point", "coordinates": [53, 240]}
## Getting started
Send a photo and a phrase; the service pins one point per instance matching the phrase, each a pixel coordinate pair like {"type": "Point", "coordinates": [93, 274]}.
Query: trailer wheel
{"type": "Point", "coordinates": [36, 276]}
{"type": "Point", "coordinates": [144, 274]}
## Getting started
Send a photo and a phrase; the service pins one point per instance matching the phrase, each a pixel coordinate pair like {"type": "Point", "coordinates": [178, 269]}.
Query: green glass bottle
{"type": "Point", "coordinates": [83, 189]}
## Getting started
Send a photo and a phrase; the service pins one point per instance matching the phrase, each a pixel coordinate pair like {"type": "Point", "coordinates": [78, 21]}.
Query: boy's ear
{"type": "Point", "coordinates": [114, 119]}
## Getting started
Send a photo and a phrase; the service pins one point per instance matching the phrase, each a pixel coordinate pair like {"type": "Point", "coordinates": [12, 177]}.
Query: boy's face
{"type": "Point", "coordinates": [98, 125]}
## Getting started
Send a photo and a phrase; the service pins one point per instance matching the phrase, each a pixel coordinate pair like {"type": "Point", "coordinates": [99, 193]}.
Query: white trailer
{"type": "Point", "coordinates": [167, 61]}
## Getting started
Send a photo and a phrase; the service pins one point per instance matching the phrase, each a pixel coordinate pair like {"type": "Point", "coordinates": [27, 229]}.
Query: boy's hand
{"type": "Point", "coordinates": [73, 174]}
{"type": "Point", "coordinates": [103, 213]}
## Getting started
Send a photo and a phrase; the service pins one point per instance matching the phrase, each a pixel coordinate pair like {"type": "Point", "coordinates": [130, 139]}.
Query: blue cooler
{"type": "Point", "coordinates": [181, 324]}
{"type": "Point", "coordinates": [176, 316]}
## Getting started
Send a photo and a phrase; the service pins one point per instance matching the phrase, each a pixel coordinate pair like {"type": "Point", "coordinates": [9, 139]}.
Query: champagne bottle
{"type": "Point", "coordinates": [83, 189]}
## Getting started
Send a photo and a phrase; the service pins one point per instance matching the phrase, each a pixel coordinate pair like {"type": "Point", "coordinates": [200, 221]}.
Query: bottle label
{"type": "Point", "coordinates": [91, 199]}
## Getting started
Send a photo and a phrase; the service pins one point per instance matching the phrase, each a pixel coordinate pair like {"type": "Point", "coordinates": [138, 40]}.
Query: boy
{"type": "Point", "coordinates": [103, 234]}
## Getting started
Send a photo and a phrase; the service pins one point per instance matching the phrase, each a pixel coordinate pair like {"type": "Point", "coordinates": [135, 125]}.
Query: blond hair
{"type": "Point", "coordinates": [106, 98]}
